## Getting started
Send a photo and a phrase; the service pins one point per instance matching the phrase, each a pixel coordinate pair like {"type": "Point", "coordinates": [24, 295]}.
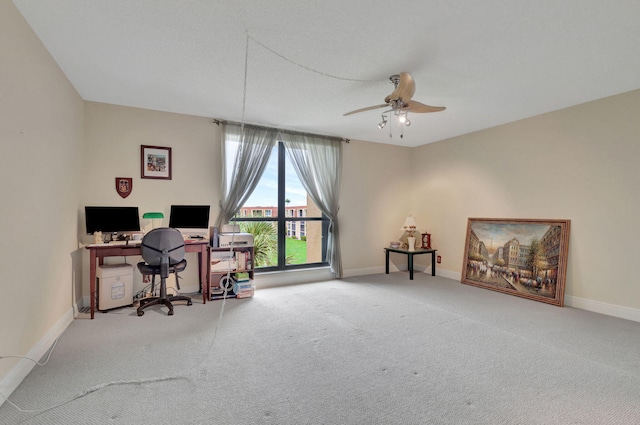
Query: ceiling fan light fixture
{"type": "Point", "coordinates": [383, 122]}
{"type": "Point", "coordinates": [400, 103]}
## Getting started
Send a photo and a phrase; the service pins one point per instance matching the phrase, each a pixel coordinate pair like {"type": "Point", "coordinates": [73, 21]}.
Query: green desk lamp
{"type": "Point", "coordinates": [153, 216]}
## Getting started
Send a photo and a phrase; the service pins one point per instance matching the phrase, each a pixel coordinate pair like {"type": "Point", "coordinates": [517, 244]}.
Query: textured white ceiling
{"type": "Point", "coordinates": [488, 61]}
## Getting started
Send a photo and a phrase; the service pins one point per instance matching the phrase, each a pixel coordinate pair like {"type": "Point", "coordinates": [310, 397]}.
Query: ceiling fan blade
{"type": "Point", "coordinates": [368, 108]}
{"type": "Point", "coordinates": [417, 107]}
{"type": "Point", "coordinates": [405, 90]}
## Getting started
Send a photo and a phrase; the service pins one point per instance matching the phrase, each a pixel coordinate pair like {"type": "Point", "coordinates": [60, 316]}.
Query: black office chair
{"type": "Point", "coordinates": [163, 253]}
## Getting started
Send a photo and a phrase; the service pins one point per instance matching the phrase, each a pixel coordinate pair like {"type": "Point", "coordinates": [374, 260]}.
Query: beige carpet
{"type": "Point", "coordinates": [374, 349]}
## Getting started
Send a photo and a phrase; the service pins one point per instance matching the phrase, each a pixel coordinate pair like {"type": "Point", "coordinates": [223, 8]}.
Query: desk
{"type": "Point", "coordinates": [410, 254]}
{"type": "Point", "coordinates": [100, 251]}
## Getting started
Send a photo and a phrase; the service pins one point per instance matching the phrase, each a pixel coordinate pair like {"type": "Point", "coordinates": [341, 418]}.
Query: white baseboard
{"type": "Point", "coordinates": [363, 272]}
{"type": "Point", "coordinates": [448, 274]}
{"type": "Point", "coordinates": [291, 277]}
{"type": "Point", "coordinates": [576, 302]}
{"type": "Point", "coordinates": [603, 308]}
{"type": "Point", "coordinates": [17, 374]}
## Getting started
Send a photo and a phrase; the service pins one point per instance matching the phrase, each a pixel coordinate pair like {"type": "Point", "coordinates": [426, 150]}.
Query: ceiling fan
{"type": "Point", "coordinates": [400, 99]}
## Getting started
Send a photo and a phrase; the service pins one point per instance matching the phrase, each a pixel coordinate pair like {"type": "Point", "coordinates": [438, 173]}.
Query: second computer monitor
{"type": "Point", "coordinates": [191, 220]}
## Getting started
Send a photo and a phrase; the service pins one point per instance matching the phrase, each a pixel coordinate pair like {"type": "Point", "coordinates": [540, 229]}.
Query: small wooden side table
{"type": "Point", "coordinates": [410, 255]}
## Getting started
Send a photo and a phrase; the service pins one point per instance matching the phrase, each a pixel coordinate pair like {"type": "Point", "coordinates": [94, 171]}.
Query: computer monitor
{"type": "Point", "coordinates": [191, 220]}
{"type": "Point", "coordinates": [111, 219]}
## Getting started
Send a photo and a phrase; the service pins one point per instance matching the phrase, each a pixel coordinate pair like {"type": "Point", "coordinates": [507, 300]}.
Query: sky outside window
{"type": "Point", "coordinates": [266, 192]}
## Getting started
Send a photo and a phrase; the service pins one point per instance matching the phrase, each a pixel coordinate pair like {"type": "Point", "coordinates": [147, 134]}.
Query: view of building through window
{"type": "Point", "coordinates": [292, 238]}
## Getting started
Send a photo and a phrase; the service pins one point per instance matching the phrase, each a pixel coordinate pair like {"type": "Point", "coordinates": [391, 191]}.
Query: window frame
{"type": "Point", "coordinates": [281, 223]}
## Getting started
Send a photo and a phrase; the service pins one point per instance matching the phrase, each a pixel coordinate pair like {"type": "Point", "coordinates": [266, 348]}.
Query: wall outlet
{"type": "Point", "coordinates": [439, 259]}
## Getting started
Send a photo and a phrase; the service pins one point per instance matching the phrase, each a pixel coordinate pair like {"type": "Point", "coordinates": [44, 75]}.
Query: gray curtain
{"type": "Point", "coordinates": [318, 163]}
{"type": "Point", "coordinates": [252, 147]}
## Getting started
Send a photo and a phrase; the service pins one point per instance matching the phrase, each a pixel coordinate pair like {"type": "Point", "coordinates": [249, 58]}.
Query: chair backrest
{"type": "Point", "coordinates": [162, 241]}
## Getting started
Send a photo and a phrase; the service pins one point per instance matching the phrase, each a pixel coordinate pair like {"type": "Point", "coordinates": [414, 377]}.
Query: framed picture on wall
{"type": "Point", "coordinates": [155, 162]}
{"type": "Point", "coordinates": [521, 257]}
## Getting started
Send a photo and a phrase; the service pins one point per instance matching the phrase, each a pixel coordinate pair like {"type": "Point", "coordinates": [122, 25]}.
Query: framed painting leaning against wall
{"type": "Point", "coordinates": [521, 257]}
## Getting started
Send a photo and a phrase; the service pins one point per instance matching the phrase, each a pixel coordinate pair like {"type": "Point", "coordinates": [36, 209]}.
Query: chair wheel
{"type": "Point", "coordinates": [170, 313]}
{"type": "Point", "coordinates": [140, 313]}
{"type": "Point", "coordinates": [189, 302]}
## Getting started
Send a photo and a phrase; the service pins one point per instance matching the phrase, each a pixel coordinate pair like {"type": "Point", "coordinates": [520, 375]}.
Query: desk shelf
{"type": "Point", "coordinates": [224, 261]}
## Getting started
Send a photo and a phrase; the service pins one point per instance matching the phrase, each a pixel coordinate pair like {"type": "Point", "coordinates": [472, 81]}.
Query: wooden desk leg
{"type": "Point", "coordinates": [207, 272]}
{"type": "Point", "coordinates": [203, 260]}
{"type": "Point", "coordinates": [387, 262]}
{"type": "Point", "coordinates": [433, 263]}
{"type": "Point", "coordinates": [92, 280]}
{"type": "Point", "coordinates": [200, 270]}
{"type": "Point", "coordinates": [410, 266]}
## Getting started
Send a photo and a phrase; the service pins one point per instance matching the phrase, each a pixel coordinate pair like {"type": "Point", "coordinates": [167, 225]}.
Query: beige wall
{"type": "Point", "coordinates": [114, 135]}
{"type": "Point", "coordinates": [374, 201]}
{"type": "Point", "coordinates": [41, 125]}
{"type": "Point", "coordinates": [579, 163]}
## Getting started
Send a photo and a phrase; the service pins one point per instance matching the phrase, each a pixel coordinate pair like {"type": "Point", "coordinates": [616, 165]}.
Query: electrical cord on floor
{"type": "Point", "coordinates": [143, 292]}
{"type": "Point", "coordinates": [224, 302]}
{"type": "Point", "coordinates": [18, 408]}
{"type": "Point", "coordinates": [33, 360]}
{"type": "Point", "coordinates": [99, 387]}
{"type": "Point", "coordinates": [94, 389]}
{"type": "Point", "coordinates": [86, 391]}
{"type": "Point", "coordinates": [53, 346]}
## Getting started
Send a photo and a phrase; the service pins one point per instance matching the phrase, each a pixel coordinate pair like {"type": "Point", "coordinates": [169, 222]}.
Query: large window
{"type": "Point", "coordinates": [289, 230]}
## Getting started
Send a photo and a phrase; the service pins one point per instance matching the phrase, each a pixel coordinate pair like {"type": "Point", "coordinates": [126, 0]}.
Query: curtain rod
{"type": "Point", "coordinates": [300, 133]}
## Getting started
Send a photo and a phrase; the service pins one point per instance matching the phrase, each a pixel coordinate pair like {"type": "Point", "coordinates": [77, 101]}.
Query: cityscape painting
{"type": "Point", "coordinates": [522, 257]}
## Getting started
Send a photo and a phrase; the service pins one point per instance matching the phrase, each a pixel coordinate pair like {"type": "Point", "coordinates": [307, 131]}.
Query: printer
{"type": "Point", "coordinates": [226, 240]}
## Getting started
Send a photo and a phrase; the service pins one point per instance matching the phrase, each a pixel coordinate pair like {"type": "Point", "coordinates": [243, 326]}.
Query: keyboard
{"type": "Point", "coordinates": [124, 243]}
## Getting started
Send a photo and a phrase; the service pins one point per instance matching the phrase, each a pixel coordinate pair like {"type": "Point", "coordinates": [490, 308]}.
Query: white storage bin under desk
{"type": "Point", "coordinates": [115, 285]}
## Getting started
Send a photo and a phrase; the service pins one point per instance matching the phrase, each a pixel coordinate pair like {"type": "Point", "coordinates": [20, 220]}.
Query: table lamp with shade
{"type": "Point", "coordinates": [410, 227]}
